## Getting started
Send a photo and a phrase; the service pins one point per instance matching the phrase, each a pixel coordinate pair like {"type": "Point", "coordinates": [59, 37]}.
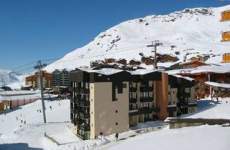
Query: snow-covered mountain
{"type": "Point", "coordinates": [194, 32]}
{"type": "Point", "coordinates": [11, 79]}
{"type": "Point", "coordinates": [7, 77]}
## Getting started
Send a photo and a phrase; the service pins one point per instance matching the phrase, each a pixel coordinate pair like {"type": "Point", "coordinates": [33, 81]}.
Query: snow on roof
{"type": "Point", "coordinates": [182, 77]}
{"type": "Point", "coordinates": [13, 93]}
{"type": "Point", "coordinates": [179, 71]}
{"type": "Point", "coordinates": [104, 71]}
{"type": "Point", "coordinates": [20, 97]}
{"type": "Point", "coordinates": [223, 68]}
{"type": "Point", "coordinates": [215, 84]}
{"type": "Point", "coordinates": [108, 71]}
{"type": "Point", "coordinates": [143, 71]}
{"type": "Point", "coordinates": [167, 64]}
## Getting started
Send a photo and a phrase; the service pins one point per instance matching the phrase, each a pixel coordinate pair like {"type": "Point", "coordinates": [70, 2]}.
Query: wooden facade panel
{"type": "Point", "coordinates": [34, 79]}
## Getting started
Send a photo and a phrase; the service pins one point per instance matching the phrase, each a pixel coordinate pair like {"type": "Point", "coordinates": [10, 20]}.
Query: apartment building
{"type": "Point", "coordinates": [110, 101]}
{"type": "Point", "coordinates": [144, 104]}
{"type": "Point", "coordinates": [61, 78]}
{"type": "Point", "coordinates": [100, 102]}
{"type": "Point", "coordinates": [181, 96]}
{"type": "Point", "coordinates": [34, 80]}
{"type": "Point", "coordinates": [61, 81]}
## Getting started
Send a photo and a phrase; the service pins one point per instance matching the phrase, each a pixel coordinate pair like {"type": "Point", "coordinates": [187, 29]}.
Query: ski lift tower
{"type": "Point", "coordinates": [155, 44]}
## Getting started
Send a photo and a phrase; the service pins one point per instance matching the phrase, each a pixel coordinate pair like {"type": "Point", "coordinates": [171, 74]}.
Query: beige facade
{"type": "Point", "coordinates": [108, 116]}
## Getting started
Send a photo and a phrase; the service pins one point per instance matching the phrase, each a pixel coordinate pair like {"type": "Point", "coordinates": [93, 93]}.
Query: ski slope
{"type": "Point", "coordinates": [194, 32]}
{"type": "Point", "coordinates": [25, 125]}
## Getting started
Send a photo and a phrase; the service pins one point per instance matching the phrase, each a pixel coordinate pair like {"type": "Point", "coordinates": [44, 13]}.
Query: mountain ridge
{"type": "Point", "coordinates": [195, 31]}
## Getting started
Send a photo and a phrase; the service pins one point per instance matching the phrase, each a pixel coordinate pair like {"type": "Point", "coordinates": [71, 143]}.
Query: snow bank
{"type": "Point", "coordinates": [189, 138]}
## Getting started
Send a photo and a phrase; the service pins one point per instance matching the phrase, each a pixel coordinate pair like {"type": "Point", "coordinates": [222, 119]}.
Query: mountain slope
{"type": "Point", "coordinates": [8, 77]}
{"type": "Point", "coordinates": [194, 32]}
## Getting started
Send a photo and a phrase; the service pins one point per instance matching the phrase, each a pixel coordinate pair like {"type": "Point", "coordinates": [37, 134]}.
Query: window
{"type": "Point", "coordinates": [87, 85]}
{"type": "Point", "coordinates": [124, 85]}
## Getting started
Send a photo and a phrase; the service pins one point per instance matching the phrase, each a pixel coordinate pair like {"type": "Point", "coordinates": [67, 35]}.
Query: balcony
{"type": "Point", "coordinates": [84, 90]}
{"type": "Point", "coordinates": [132, 89]}
{"type": "Point", "coordinates": [82, 97]}
{"type": "Point", "coordinates": [84, 116]}
{"type": "Point", "coordinates": [147, 110]}
{"type": "Point", "coordinates": [146, 99]}
{"type": "Point", "coordinates": [83, 103]}
{"type": "Point", "coordinates": [133, 112]}
{"type": "Point", "coordinates": [146, 89]}
{"type": "Point", "coordinates": [192, 103]}
{"type": "Point", "coordinates": [132, 100]}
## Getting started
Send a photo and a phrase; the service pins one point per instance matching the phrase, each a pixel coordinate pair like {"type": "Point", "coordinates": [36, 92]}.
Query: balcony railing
{"type": "Point", "coordinates": [146, 99]}
{"type": "Point", "coordinates": [146, 89]}
{"type": "Point", "coordinates": [132, 100]}
{"type": "Point", "coordinates": [147, 110]}
{"type": "Point", "coordinates": [132, 89]}
{"type": "Point", "coordinates": [83, 103]}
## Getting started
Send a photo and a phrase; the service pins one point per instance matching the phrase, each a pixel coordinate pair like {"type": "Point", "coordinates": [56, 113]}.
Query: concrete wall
{"type": "Point", "coordinates": [105, 113]}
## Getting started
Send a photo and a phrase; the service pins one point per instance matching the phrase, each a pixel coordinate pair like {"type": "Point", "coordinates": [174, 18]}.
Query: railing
{"type": "Point", "coordinates": [146, 99]}
{"type": "Point", "coordinates": [146, 89]}
{"type": "Point", "coordinates": [132, 100]}
{"type": "Point", "coordinates": [132, 89]}
{"type": "Point", "coordinates": [83, 103]}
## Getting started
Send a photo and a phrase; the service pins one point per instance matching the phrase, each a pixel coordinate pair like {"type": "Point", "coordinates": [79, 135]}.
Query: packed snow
{"type": "Point", "coordinates": [212, 109]}
{"type": "Point", "coordinates": [24, 127]}
{"type": "Point", "coordinates": [8, 77]}
{"type": "Point", "coordinates": [189, 138]}
{"type": "Point", "coordinates": [25, 124]}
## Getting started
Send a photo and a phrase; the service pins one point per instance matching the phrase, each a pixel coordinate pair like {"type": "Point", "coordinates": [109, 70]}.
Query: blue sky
{"type": "Point", "coordinates": [43, 29]}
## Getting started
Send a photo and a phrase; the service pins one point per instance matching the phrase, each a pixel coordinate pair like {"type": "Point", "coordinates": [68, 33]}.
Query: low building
{"type": "Point", "coordinates": [34, 80]}
{"type": "Point", "coordinates": [4, 105]}
{"type": "Point", "coordinates": [61, 81]}
{"type": "Point", "coordinates": [182, 97]}
{"type": "Point", "coordinates": [14, 99]}
{"type": "Point", "coordinates": [213, 73]}
{"type": "Point", "coordinates": [110, 101]}
{"type": "Point", "coordinates": [188, 65]}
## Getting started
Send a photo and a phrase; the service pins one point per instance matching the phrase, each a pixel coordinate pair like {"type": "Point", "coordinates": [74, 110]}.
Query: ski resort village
{"type": "Point", "coordinates": [157, 82]}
